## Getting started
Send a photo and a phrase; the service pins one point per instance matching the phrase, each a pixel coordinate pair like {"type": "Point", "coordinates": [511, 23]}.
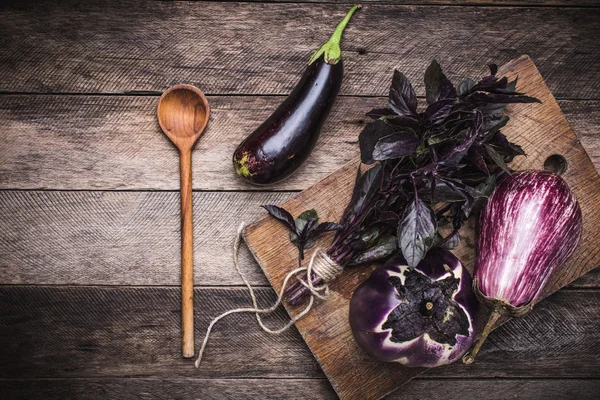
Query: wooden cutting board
{"type": "Point", "coordinates": [541, 129]}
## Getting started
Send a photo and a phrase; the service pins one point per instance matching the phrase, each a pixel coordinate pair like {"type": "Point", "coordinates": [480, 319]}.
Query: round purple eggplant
{"type": "Point", "coordinates": [284, 141]}
{"type": "Point", "coordinates": [420, 317]}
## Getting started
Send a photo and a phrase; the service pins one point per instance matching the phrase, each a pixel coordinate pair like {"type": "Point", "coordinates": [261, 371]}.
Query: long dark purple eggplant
{"type": "Point", "coordinates": [285, 140]}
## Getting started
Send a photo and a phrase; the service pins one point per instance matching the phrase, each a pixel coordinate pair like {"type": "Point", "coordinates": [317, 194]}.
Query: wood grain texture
{"type": "Point", "coordinates": [536, 3]}
{"type": "Point", "coordinates": [130, 238]}
{"type": "Point", "coordinates": [187, 253]}
{"type": "Point", "coordinates": [254, 48]}
{"type": "Point", "coordinates": [532, 126]}
{"type": "Point", "coordinates": [123, 238]}
{"type": "Point", "coordinates": [114, 142]}
{"type": "Point", "coordinates": [75, 332]}
{"type": "Point", "coordinates": [216, 389]}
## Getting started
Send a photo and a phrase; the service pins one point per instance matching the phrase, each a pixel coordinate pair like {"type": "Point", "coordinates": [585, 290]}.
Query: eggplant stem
{"type": "Point", "coordinates": [470, 356]}
{"type": "Point", "coordinates": [331, 49]}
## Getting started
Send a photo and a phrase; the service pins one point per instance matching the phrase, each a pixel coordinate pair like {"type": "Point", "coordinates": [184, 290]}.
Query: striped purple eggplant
{"type": "Point", "coordinates": [529, 227]}
{"type": "Point", "coordinates": [419, 317]}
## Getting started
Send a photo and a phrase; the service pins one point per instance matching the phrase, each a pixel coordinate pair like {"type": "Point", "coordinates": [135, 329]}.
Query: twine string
{"type": "Point", "coordinates": [319, 265]}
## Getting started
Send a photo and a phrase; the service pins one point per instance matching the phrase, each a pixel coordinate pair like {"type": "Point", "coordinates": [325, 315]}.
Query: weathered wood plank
{"type": "Point", "coordinates": [114, 142]}
{"type": "Point", "coordinates": [111, 332]}
{"type": "Point", "coordinates": [123, 238]}
{"type": "Point", "coordinates": [130, 238]}
{"type": "Point", "coordinates": [524, 3]}
{"type": "Point", "coordinates": [254, 48]}
{"type": "Point", "coordinates": [100, 142]}
{"type": "Point", "coordinates": [213, 389]}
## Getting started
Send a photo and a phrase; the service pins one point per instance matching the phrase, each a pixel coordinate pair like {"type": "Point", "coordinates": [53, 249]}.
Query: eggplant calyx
{"type": "Point", "coordinates": [500, 308]}
{"type": "Point", "coordinates": [331, 49]}
{"type": "Point", "coordinates": [427, 307]}
{"type": "Point", "coordinates": [241, 166]}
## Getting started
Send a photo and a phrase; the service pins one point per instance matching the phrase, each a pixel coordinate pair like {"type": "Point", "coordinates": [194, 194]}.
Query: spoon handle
{"type": "Point", "coordinates": [187, 255]}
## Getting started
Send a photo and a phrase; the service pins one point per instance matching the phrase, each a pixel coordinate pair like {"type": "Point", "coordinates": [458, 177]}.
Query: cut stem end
{"type": "Point", "coordinates": [469, 358]}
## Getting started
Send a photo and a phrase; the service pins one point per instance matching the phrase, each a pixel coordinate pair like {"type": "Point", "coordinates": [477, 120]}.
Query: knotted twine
{"type": "Point", "coordinates": [320, 265]}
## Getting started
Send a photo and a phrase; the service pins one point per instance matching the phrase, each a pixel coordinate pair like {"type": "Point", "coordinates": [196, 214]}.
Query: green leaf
{"type": "Point", "coordinates": [465, 86]}
{"type": "Point", "coordinates": [304, 223]}
{"type": "Point", "coordinates": [304, 218]}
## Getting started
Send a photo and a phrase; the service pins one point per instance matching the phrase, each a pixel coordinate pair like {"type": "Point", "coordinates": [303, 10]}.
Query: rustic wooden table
{"type": "Point", "coordinates": [89, 202]}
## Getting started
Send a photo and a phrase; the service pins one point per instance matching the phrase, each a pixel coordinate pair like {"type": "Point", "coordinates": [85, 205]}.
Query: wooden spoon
{"type": "Point", "coordinates": [183, 113]}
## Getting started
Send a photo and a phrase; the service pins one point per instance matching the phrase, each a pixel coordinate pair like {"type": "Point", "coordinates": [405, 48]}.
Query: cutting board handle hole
{"type": "Point", "coordinates": [556, 163]}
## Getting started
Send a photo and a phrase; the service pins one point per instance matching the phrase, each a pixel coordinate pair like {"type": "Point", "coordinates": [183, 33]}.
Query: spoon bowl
{"type": "Point", "coordinates": [183, 113]}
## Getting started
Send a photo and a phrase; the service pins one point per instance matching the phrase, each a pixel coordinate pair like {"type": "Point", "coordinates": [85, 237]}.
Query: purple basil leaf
{"type": "Point", "coordinates": [455, 155]}
{"type": "Point", "coordinates": [492, 84]}
{"type": "Point", "coordinates": [404, 122]}
{"type": "Point", "coordinates": [396, 145]}
{"type": "Point", "coordinates": [476, 155]}
{"type": "Point", "coordinates": [377, 113]}
{"type": "Point", "coordinates": [326, 227]}
{"type": "Point", "coordinates": [518, 150]}
{"type": "Point", "coordinates": [368, 138]}
{"type": "Point", "coordinates": [437, 85]}
{"type": "Point", "coordinates": [493, 69]}
{"type": "Point", "coordinates": [370, 236]}
{"type": "Point", "coordinates": [472, 197]}
{"type": "Point", "coordinates": [508, 153]}
{"type": "Point", "coordinates": [487, 188]}
{"type": "Point", "coordinates": [304, 224]}
{"type": "Point", "coordinates": [304, 220]}
{"type": "Point", "coordinates": [499, 86]}
{"type": "Point", "coordinates": [389, 218]}
{"type": "Point", "coordinates": [282, 216]}
{"type": "Point", "coordinates": [402, 98]}
{"type": "Point", "coordinates": [385, 246]}
{"type": "Point", "coordinates": [444, 192]}
{"type": "Point", "coordinates": [310, 225]}
{"type": "Point", "coordinates": [496, 158]}
{"type": "Point", "coordinates": [491, 110]}
{"type": "Point", "coordinates": [499, 140]}
{"type": "Point", "coordinates": [451, 241]}
{"type": "Point", "coordinates": [439, 111]}
{"type": "Point", "coordinates": [416, 231]}
{"type": "Point", "coordinates": [364, 188]}
{"type": "Point", "coordinates": [485, 98]}
{"type": "Point", "coordinates": [493, 125]}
